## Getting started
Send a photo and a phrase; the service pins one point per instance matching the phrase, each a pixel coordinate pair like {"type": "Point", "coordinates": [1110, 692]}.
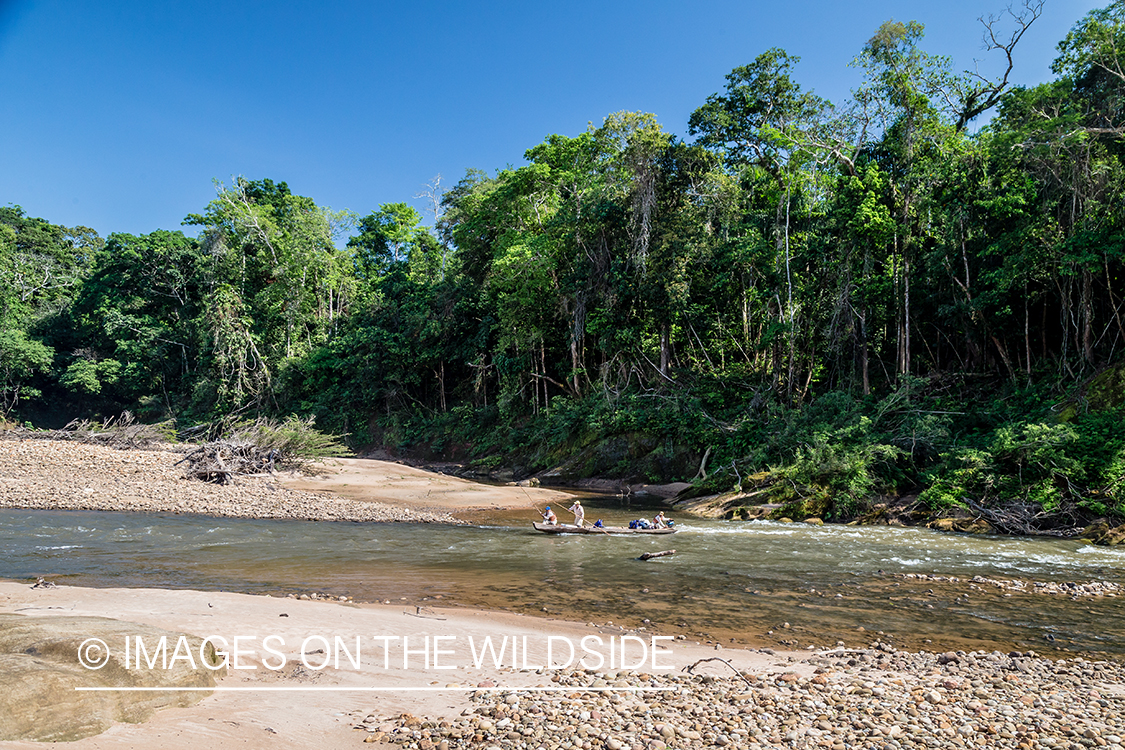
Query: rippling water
{"type": "Point", "coordinates": [728, 580]}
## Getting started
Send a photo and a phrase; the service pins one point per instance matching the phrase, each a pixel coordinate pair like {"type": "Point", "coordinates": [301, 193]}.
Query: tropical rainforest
{"type": "Point", "coordinates": [916, 293]}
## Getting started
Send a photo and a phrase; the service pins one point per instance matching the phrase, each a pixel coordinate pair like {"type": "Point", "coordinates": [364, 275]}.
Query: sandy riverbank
{"type": "Point", "coordinates": [869, 696]}
{"type": "Point", "coordinates": [371, 480]}
{"type": "Point", "coordinates": [320, 717]}
{"type": "Point", "coordinates": [58, 475]}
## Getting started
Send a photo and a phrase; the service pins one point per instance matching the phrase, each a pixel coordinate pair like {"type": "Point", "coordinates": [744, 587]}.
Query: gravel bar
{"type": "Point", "coordinates": [61, 475]}
{"type": "Point", "coordinates": [872, 698]}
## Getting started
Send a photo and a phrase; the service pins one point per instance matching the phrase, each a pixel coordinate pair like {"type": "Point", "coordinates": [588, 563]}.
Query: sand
{"type": "Point", "coordinates": [323, 718]}
{"type": "Point", "coordinates": [63, 475]}
{"type": "Point", "coordinates": [370, 480]}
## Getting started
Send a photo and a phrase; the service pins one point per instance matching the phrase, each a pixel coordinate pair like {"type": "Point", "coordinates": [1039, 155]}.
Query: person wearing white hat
{"type": "Point", "coordinates": [579, 513]}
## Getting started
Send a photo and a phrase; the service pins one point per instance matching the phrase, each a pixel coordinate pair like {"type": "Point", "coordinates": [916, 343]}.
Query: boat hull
{"type": "Point", "coordinates": [566, 528]}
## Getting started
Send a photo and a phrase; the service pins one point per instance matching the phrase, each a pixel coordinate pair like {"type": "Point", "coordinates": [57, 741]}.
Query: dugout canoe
{"type": "Point", "coordinates": [567, 528]}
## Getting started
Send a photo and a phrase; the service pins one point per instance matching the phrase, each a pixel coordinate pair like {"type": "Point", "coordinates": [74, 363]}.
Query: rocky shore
{"type": "Point", "coordinates": [55, 475]}
{"type": "Point", "coordinates": [870, 698]}
{"type": "Point", "coordinates": [1074, 590]}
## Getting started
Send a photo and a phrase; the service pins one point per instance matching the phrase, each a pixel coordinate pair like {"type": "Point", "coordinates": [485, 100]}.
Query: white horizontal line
{"type": "Point", "coordinates": [288, 689]}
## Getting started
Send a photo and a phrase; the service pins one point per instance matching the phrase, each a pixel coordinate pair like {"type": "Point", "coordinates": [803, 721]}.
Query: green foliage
{"type": "Point", "coordinates": [963, 473]}
{"type": "Point", "coordinates": [295, 439]}
{"type": "Point", "coordinates": [1055, 467]}
{"type": "Point", "coordinates": [754, 121]}
{"type": "Point", "coordinates": [88, 376]}
{"type": "Point", "coordinates": [21, 358]}
{"type": "Point", "coordinates": [388, 237]}
{"type": "Point", "coordinates": [41, 265]}
{"type": "Point", "coordinates": [848, 475]}
{"type": "Point", "coordinates": [845, 300]}
{"type": "Point", "coordinates": [1096, 43]}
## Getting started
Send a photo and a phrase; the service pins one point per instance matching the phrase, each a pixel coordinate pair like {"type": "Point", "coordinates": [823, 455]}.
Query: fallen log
{"type": "Point", "coordinates": [650, 555]}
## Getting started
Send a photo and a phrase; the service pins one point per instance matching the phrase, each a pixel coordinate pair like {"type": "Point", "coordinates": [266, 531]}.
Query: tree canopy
{"type": "Point", "coordinates": [865, 294]}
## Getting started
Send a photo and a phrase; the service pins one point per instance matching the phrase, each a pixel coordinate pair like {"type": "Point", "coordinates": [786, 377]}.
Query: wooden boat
{"type": "Point", "coordinates": [568, 528]}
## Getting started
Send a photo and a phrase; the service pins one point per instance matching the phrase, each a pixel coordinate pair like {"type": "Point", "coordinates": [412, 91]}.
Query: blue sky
{"type": "Point", "coordinates": [119, 115]}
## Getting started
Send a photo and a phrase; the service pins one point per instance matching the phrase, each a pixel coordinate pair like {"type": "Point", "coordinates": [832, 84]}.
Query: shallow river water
{"type": "Point", "coordinates": [749, 582]}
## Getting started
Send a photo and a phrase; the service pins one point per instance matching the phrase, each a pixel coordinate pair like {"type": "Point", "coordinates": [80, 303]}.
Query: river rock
{"type": "Point", "coordinates": [964, 525]}
{"type": "Point", "coordinates": [1103, 533]}
{"type": "Point", "coordinates": [60, 475]}
{"type": "Point", "coordinates": [906, 702]}
{"type": "Point", "coordinates": [40, 669]}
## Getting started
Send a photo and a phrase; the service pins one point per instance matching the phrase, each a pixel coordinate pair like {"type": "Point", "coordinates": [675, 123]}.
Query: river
{"type": "Point", "coordinates": [757, 582]}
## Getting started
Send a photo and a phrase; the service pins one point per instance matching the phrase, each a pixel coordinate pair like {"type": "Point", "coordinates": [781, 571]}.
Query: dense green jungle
{"type": "Point", "coordinates": [906, 303]}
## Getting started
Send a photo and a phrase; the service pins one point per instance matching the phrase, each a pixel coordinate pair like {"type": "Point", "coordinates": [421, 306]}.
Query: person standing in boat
{"type": "Point", "coordinates": [579, 513]}
{"type": "Point", "coordinates": [550, 517]}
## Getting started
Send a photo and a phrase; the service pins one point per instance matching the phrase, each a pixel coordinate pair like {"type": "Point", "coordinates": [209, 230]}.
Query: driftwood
{"type": "Point", "coordinates": [222, 460]}
{"type": "Point", "coordinates": [650, 555]}
{"type": "Point", "coordinates": [255, 447]}
{"type": "Point", "coordinates": [424, 612]}
{"type": "Point", "coordinates": [690, 668]}
{"type": "Point", "coordinates": [1029, 519]}
{"type": "Point", "coordinates": [123, 432]}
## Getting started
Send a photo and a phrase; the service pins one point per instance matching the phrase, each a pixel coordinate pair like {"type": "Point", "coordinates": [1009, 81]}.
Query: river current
{"type": "Point", "coordinates": [756, 582]}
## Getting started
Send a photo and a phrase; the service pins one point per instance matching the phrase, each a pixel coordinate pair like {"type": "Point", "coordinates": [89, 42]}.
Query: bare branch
{"type": "Point", "coordinates": [433, 193]}
{"type": "Point", "coordinates": [986, 92]}
{"type": "Point", "coordinates": [690, 669]}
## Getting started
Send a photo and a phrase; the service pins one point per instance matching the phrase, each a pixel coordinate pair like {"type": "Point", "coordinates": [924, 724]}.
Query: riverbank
{"type": "Point", "coordinates": [868, 698]}
{"type": "Point", "coordinates": [395, 483]}
{"type": "Point", "coordinates": [60, 475]}
{"type": "Point", "coordinates": [311, 700]}
{"type": "Point", "coordinates": [865, 694]}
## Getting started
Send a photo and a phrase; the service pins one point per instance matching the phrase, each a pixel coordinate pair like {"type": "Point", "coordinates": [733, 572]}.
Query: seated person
{"type": "Point", "coordinates": [660, 522]}
{"type": "Point", "coordinates": [550, 517]}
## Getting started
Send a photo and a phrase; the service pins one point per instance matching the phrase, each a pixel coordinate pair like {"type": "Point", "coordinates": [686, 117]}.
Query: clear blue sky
{"type": "Point", "coordinates": [118, 115]}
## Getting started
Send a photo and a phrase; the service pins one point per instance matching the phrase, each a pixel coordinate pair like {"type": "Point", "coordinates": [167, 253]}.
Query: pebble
{"type": "Point", "coordinates": [1071, 589]}
{"type": "Point", "coordinates": [62, 475]}
{"type": "Point", "coordinates": [907, 700]}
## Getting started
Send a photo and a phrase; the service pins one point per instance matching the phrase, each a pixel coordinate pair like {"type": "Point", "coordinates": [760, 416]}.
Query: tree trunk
{"type": "Point", "coordinates": [906, 318]}
{"type": "Point", "coordinates": [665, 349]}
{"type": "Point", "coordinates": [863, 353]}
{"type": "Point", "coordinates": [441, 385]}
{"type": "Point", "coordinates": [864, 365]}
{"type": "Point", "coordinates": [1087, 318]}
{"type": "Point", "coordinates": [1004, 357]}
{"type": "Point", "coordinates": [543, 368]}
{"type": "Point", "coordinates": [1026, 332]}
{"type": "Point", "coordinates": [577, 334]}
{"type": "Point", "coordinates": [789, 303]}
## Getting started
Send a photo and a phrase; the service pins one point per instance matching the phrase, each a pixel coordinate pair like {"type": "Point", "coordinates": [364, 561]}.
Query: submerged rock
{"type": "Point", "coordinates": [1103, 533]}
{"type": "Point", "coordinates": [964, 525]}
